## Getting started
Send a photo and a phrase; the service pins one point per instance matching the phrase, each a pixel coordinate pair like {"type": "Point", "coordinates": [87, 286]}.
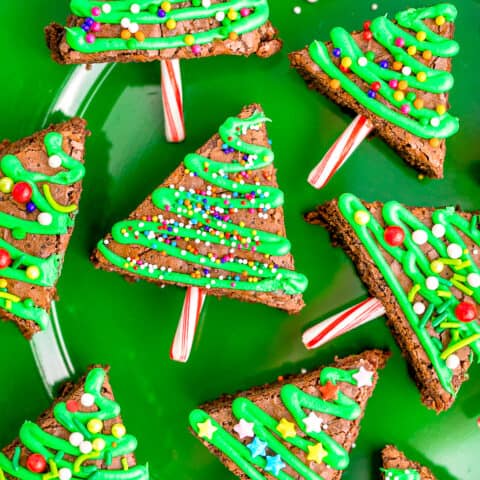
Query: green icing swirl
{"type": "Point", "coordinates": [49, 268]}
{"type": "Point", "coordinates": [76, 36]}
{"type": "Point", "coordinates": [243, 196]}
{"type": "Point", "coordinates": [265, 428]}
{"type": "Point", "coordinates": [400, 474]}
{"type": "Point", "coordinates": [384, 31]}
{"type": "Point", "coordinates": [417, 267]}
{"type": "Point", "coordinates": [54, 448]}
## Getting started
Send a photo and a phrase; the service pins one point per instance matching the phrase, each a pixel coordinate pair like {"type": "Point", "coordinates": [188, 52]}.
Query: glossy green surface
{"type": "Point", "coordinates": [239, 345]}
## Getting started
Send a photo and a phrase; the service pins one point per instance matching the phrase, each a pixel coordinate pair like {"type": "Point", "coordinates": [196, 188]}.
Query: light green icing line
{"type": "Point", "coordinates": [385, 32]}
{"type": "Point", "coordinates": [54, 448]}
{"type": "Point", "coordinates": [265, 428]}
{"type": "Point", "coordinates": [49, 268]}
{"type": "Point", "coordinates": [76, 37]}
{"type": "Point", "coordinates": [400, 474]}
{"type": "Point", "coordinates": [417, 267]}
{"type": "Point", "coordinates": [179, 202]}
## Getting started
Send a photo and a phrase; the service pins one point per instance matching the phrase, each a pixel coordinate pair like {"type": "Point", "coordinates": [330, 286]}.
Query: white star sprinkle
{"type": "Point", "coordinates": [244, 429]}
{"type": "Point", "coordinates": [313, 423]}
{"type": "Point", "coordinates": [363, 378]}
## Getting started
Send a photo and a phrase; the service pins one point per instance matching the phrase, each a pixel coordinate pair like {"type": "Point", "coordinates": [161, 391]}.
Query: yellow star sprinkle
{"type": "Point", "coordinates": [286, 428]}
{"type": "Point", "coordinates": [316, 453]}
{"type": "Point", "coordinates": [206, 429]}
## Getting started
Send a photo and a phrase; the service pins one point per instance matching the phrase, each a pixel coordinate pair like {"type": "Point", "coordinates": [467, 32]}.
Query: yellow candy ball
{"type": "Point", "coordinates": [232, 14]}
{"type": "Point", "coordinates": [418, 103]}
{"type": "Point", "coordinates": [32, 272]}
{"type": "Point", "coordinates": [440, 20]}
{"type": "Point", "coordinates": [398, 95]}
{"type": "Point", "coordinates": [402, 85]}
{"type": "Point", "coordinates": [189, 39]}
{"type": "Point", "coordinates": [361, 217]}
{"type": "Point", "coordinates": [346, 62]}
{"type": "Point", "coordinates": [412, 50]}
{"type": "Point", "coordinates": [436, 266]}
{"type": "Point", "coordinates": [119, 430]}
{"type": "Point", "coordinates": [3, 283]}
{"type": "Point", "coordinates": [6, 185]}
{"type": "Point", "coordinates": [98, 444]}
{"type": "Point", "coordinates": [427, 55]}
{"type": "Point", "coordinates": [334, 84]}
{"type": "Point", "coordinates": [441, 109]}
{"type": "Point", "coordinates": [171, 24]}
{"type": "Point", "coordinates": [167, 6]}
{"type": "Point", "coordinates": [233, 36]}
{"type": "Point", "coordinates": [421, 36]}
{"type": "Point", "coordinates": [95, 425]}
{"type": "Point", "coordinates": [421, 76]}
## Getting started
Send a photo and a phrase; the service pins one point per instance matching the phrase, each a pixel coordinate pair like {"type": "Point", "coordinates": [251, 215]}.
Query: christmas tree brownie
{"type": "Point", "coordinates": [423, 264]}
{"type": "Point", "coordinates": [396, 466]}
{"type": "Point", "coordinates": [302, 427]}
{"type": "Point", "coordinates": [40, 185]}
{"type": "Point", "coordinates": [129, 31]}
{"type": "Point", "coordinates": [396, 73]}
{"type": "Point", "coordinates": [82, 436]}
{"type": "Point", "coordinates": [216, 223]}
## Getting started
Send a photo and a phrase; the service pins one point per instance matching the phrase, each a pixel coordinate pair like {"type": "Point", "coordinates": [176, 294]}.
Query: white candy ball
{"type": "Point", "coordinates": [206, 3]}
{"type": "Point", "coordinates": [65, 474]}
{"type": "Point", "coordinates": [135, 8]}
{"type": "Point", "coordinates": [438, 230]}
{"type": "Point", "coordinates": [419, 237]}
{"type": "Point", "coordinates": [435, 122]}
{"type": "Point", "coordinates": [44, 218]}
{"type": "Point", "coordinates": [432, 283]}
{"type": "Point", "coordinates": [362, 61]}
{"type": "Point", "coordinates": [453, 361]}
{"type": "Point", "coordinates": [125, 22]}
{"type": "Point", "coordinates": [473, 280]}
{"type": "Point", "coordinates": [454, 250]}
{"type": "Point", "coordinates": [86, 447]}
{"type": "Point", "coordinates": [75, 438]}
{"type": "Point", "coordinates": [220, 16]}
{"type": "Point", "coordinates": [297, 10]}
{"type": "Point", "coordinates": [374, 6]}
{"type": "Point", "coordinates": [133, 28]}
{"type": "Point", "coordinates": [419, 308]}
{"type": "Point", "coordinates": [87, 400]}
{"type": "Point", "coordinates": [407, 71]}
{"type": "Point", "coordinates": [106, 8]}
{"type": "Point", "coordinates": [54, 161]}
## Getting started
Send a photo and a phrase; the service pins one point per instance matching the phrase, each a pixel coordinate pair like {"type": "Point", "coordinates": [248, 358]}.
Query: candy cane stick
{"type": "Point", "coordinates": [339, 152]}
{"type": "Point", "coordinates": [172, 97]}
{"type": "Point", "coordinates": [192, 307]}
{"type": "Point", "coordinates": [342, 322]}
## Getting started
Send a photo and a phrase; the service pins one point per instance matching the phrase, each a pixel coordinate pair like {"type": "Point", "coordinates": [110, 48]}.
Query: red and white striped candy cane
{"type": "Point", "coordinates": [342, 322]}
{"type": "Point", "coordinates": [172, 97]}
{"type": "Point", "coordinates": [339, 152]}
{"type": "Point", "coordinates": [183, 341]}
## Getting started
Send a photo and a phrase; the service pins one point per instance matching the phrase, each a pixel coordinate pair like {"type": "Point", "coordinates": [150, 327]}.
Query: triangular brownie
{"type": "Point", "coordinates": [303, 426]}
{"type": "Point", "coordinates": [216, 223]}
{"type": "Point", "coordinates": [81, 436]}
{"type": "Point", "coordinates": [118, 31]}
{"type": "Point", "coordinates": [396, 466]}
{"type": "Point", "coordinates": [40, 185]}
{"type": "Point", "coordinates": [397, 74]}
{"type": "Point", "coordinates": [423, 264]}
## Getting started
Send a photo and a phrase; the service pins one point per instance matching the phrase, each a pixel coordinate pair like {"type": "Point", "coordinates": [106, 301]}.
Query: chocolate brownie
{"type": "Point", "coordinates": [39, 197]}
{"type": "Point", "coordinates": [323, 391]}
{"type": "Point", "coordinates": [392, 458]}
{"type": "Point", "coordinates": [171, 257]}
{"type": "Point", "coordinates": [410, 318]}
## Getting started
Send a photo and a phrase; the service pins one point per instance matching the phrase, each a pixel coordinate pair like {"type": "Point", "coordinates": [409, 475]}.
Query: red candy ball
{"type": "Point", "coordinates": [343, 69]}
{"type": "Point", "coordinates": [5, 258]}
{"type": "Point", "coordinates": [22, 192]}
{"type": "Point", "coordinates": [72, 406]}
{"type": "Point", "coordinates": [366, 25]}
{"type": "Point", "coordinates": [36, 463]}
{"type": "Point", "coordinates": [367, 35]}
{"type": "Point", "coordinates": [465, 312]}
{"type": "Point", "coordinates": [394, 236]}
{"type": "Point", "coordinates": [375, 86]}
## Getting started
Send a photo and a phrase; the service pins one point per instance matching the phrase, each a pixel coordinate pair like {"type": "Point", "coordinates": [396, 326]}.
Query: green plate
{"type": "Point", "coordinates": [131, 326]}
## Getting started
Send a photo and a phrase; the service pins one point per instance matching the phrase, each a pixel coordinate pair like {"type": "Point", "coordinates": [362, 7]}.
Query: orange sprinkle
{"type": "Point", "coordinates": [125, 34]}
{"type": "Point", "coordinates": [140, 36]}
{"type": "Point", "coordinates": [434, 142]}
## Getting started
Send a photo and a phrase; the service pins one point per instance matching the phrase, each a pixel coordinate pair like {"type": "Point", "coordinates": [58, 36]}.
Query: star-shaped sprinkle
{"type": "Point", "coordinates": [244, 429]}
{"type": "Point", "coordinates": [313, 423]}
{"type": "Point", "coordinates": [206, 429]}
{"type": "Point", "coordinates": [329, 391]}
{"type": "Point", "coordinates": [257, 447]}
{"type": "Point", "coordinates": [286, 428]}
{"type": "Point", "coordinates": [363, 377]}
{"type": "Point", "coordinates": [275, 464]}
{"type": "Point", "coordinates": [316, 453]}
